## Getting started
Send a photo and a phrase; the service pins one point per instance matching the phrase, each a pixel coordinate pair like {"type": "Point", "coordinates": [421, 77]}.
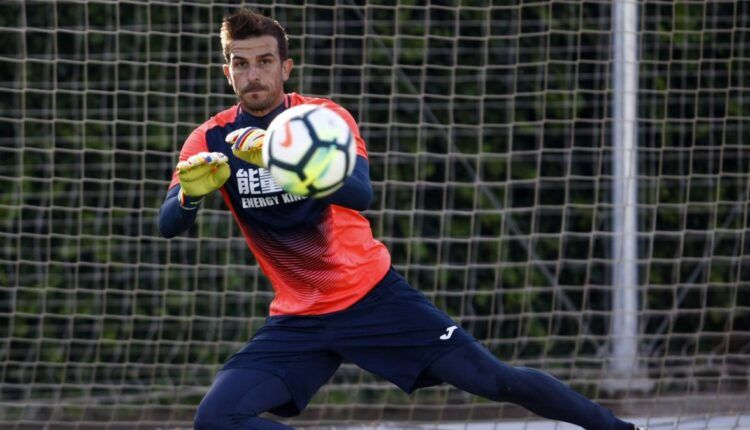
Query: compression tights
{"type": "Point", "coordinates": [474, 369]}
{"type": "Point", "coordinates": [238, 396]}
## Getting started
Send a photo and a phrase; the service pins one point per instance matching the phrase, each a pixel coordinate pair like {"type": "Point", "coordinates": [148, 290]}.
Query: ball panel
{"type": "Point", "coordinates": [298, 111]}
{"type": "Point", "coordinates": [335, 170]}
{"type": "Point", "coordinates": [350, 149]}
{"type": "Point", "coordinates": [279, 122]}
{"type": "Point", "coordinates": [328, 125]}
{"type": "Point", "coordinates": [288, 180]}
{"type": "Point", "coordinates": [318, 165]}
{"type": "Point", "coordinates": [290, 143]}
{"type": "Point", "coordinates": [318, 193]}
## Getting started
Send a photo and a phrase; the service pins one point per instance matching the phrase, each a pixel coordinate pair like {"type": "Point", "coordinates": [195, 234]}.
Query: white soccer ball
{"type": "Point", "coordinates": [309, 150]}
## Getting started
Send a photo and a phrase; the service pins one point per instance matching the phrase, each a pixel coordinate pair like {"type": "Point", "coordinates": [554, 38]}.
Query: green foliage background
{"type": "Point", "coordinates": [489, 133]}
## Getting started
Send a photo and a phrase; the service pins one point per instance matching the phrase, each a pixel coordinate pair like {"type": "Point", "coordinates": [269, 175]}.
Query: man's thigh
{"type": "Point", "coordinates": [240, 394]}
{"type": "Point", "coordinates": [295, 350]}
{"type": "Point", "coordinates": [396, 333]}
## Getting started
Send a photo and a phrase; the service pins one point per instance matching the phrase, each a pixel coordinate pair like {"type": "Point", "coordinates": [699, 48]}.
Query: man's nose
{"type": "Point", "coordinates": [252, 73]}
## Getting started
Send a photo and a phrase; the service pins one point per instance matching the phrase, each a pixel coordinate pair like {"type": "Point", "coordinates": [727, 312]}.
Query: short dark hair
{"type": "Point", "coordinates": [246, 23]}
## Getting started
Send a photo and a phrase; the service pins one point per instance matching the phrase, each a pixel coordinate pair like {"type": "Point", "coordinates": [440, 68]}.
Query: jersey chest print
{"type": "Point", "coordinates": [256, 189]}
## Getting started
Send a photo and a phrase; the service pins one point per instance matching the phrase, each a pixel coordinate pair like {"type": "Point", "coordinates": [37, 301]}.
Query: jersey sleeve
{"type": "Point", "coordinates": [194, 144]}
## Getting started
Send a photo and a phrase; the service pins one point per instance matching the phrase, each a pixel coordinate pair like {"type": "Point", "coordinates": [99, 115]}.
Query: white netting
{"type": "Point", "coordinates": [489, 132]}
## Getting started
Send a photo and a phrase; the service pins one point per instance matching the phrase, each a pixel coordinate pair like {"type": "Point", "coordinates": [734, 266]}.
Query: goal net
{"type": "Point", "coordinates": [489, 129]}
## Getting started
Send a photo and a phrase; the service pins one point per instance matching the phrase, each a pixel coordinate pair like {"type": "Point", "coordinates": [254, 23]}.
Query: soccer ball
{"type": "Point", "coordinates": [309, 150]}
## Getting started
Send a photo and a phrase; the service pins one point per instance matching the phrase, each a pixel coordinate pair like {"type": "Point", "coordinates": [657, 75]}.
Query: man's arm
{"type": "Point", "coordinates": [356, 193]}
{"type": "Point", "coordinates": [199, 175]}
{"type": "Point", "coordinates": [174, 219]}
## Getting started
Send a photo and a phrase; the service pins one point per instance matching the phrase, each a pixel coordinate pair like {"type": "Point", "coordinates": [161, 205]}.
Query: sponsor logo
{"type": "Point", "coordinates": [288, 138]}
{"type": "Point", "coordinates": [256, 182]}
{"type": "Point", "coordinates": [257, 189]}
{"type": "Point", "coordinates": [449, 333]}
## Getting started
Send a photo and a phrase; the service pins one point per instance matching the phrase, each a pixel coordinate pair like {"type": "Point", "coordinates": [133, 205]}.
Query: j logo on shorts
{"type": "Point", "coordinates": [449, 333]}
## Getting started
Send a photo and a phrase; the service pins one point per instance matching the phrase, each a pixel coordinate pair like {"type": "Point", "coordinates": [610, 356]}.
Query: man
{"type": "Point", "coordinates": [336, 296]}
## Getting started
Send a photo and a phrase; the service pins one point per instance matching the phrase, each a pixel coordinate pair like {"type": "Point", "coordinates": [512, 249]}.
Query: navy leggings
{"type": "Point", "coordinates": [238, 396]}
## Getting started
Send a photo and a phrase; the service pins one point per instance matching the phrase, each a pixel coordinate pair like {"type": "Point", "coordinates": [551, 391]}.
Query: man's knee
{"type": "Point", "coordinates": [205, 418]}
{"type": "Point", "coordinates": [238, 397]}
{"type": "Point", "coordinates": [212, 415]}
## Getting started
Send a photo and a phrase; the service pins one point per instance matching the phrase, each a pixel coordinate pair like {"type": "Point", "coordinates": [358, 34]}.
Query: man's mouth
{"type": "Point", "coordinates": [253, 90]}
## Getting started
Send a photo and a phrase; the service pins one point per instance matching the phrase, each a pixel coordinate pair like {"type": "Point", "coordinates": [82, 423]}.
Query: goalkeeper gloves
{"type": "Point", "coordinates": [199, 175]}
{"type": "Point", "coordinates": [247, 144]}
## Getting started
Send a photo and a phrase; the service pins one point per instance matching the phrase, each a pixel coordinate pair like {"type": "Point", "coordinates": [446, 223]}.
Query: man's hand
{"type": "Point", "coordinates": [202, 173]}
{"type": "Point", "coordinates": [247, 144]}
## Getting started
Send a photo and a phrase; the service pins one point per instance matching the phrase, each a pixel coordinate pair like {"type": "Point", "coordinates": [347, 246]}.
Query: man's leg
{"type": "Point", "coordinates": [474, 369]}
{"type": "Point", "coordinates": [237, 397]}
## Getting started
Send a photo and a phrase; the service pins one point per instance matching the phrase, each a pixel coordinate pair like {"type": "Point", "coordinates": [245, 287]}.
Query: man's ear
{"type": "Point", "coordinates": [225, 68]}
{"type": "Point", "coordinates": [286, 68]}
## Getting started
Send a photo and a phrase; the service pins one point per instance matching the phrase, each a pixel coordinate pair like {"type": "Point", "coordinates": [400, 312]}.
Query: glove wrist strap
{"type": "Point", "coordinates": [187, 202]}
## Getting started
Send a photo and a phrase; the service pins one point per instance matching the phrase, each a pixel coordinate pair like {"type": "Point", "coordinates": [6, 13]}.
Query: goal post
{"type": "Point", "coordinates": [625, 361]}
{"type": "Point", "coordinates": [490, 129]}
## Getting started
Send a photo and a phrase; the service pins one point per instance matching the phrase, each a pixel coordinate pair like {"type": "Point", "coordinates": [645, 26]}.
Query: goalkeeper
{"type": "Point", "coordinates": [336, 295]}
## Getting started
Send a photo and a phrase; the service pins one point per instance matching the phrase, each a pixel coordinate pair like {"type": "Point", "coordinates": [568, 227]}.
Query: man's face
{"type": "Point", "coordinates": [257, 74]}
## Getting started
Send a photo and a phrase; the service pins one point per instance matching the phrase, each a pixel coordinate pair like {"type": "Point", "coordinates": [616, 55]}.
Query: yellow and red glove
{"type": "Point", "coordinates": [199, 175]}
{"type": "Point", "coordinates": [247, 144]}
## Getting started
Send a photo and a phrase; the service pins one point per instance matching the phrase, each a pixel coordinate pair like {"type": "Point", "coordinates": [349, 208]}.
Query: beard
{"type": "Point", "coordinates": [256, 97]}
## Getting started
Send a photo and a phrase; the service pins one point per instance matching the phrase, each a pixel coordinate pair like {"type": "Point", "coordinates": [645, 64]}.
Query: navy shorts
{"type": "Point", "coordinates": [394, 332]}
